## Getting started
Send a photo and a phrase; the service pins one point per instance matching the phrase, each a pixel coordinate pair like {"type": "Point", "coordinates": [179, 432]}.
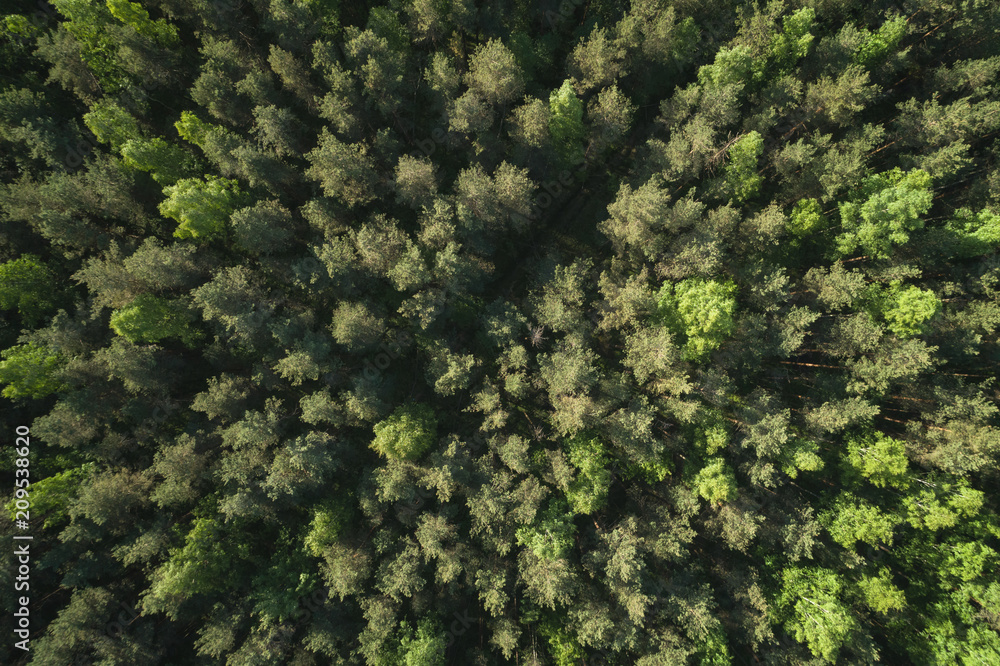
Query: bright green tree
{"type": "Point", "coordinates": [202, 207]}
{"type": "Point", "coordinates": [407, 434]}
{"type": "Point", "coordinates": [29, 371]}
{"type": "Point", "coordinates": [151, 318]}
{"type": "Point", "coordinates": [716, 482]}
{"type": "Point", "coordinates": [879, 458]}
{"type": "Point", "coordinates": [206, 563]}
{"type": "Point", "coordinates": [566, 123]}
{"type": "Point", "coordinates": [908, 310]}
{"type": "Point", "coordinates": [701, 310]}
{"type": "Point", "coordinates": [132, 14]}
{"type": "Point", "coordinates": [741, 170]}
{"type": "Point", "coordinates": [588, 492]}
{"type": "Point", "coordinates": [550, 536]}
{"type": "Point", "coordinates": [53, 496]}
{"type": "Point", "coordinates": [888, 209]}
{"type": "Point", "coordinates": [811, 607]}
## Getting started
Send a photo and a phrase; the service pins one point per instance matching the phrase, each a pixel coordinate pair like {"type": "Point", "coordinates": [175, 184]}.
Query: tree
{"type": "Point", "coordinates": [201, 207]}
{"type": "Point", "coordinates": [887, 210]}
{"type": "Point", "coordinates": [416, 182]}
{"type": "Point", "coordinates": [610, 118]}
{"type": "Point", "coordinates": [596, 62]}
{"type": "Point", "coordinates": [566, 123]}
{"type": "Point", "coordinates": [907, 310]}
{"type": "Point", "coordinates": [27, 285]}
{"type": "Point", "coordinates": [30, 371]}
{"type": "Point", "coordinates": [424, 648]}
{"type": "Point", "coordinates": [715, 482]}
{"type": "Point", "coordinates": [152, 318]}
{"type": "Point", "coordinates": [166, 162]}
{"type": "Point", "coordinates": [741, 170]}
{"type": "Point", "coordinates": [345, 171]}
{"type": "Point", "coordinates": [550, 535]}
{"type": "Point", "coordinates": [851, 520]}
{"type": "Point", "coordinates": [588, 492]}
{"type": "Point", "coordinates": [494, 74]}
{"type": "Point", "coordinates": [812, 610]}
{"type": "Point", "coordinates": [205, 564]}
{"type": "Point", "coordinates": [264, 228]}
{"type": "Point", "coordinates": [700, 310]}
{"type": "Point", "coordinates": [112, 124]}
{"type": "Point", "coordinates": [407, 434]}
{"type": "Point", "coordinates": [876, 46]}
{"type": "Point", "coordinates": [133, 15]}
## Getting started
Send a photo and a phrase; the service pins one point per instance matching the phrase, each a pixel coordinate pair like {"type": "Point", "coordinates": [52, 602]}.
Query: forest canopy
{"type": "Point", "coordinates": [483, 333]}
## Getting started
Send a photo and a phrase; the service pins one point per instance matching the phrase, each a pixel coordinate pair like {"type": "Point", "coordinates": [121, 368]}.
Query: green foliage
{"type": "Point", "coordinates": [27, 285]}
{"type": "Point", "coordinates": [887, 209]}
{"type": "Point", "coordinates": [452, 295]}
{"type": "Point", "coordinates": [563, 646]}
{"type": "Point", "coordinates": [716, 482]}
{"type": "Point", "coordinates": [344, 170]}
{"type": "Point", "coordinates": [166, 162]}
{"type": "Point", "coordinates": [151, 318]}
{"type": "Point", "coordinates": [193, 129]}
{"type": "Point", "coordinates": [588, 492]}
{"type": "Point", "coordinates": [88, 21]}
{"type": "Point", "coordinates": [201, 207]}
{"type": "Point", "coordinates": [112, 124]}
{"type": "Point", "coordinates": [30, 371]}
{"type": "Point", "coordinates": [133, 15]}
{"type": "Point", "coordinates": [806, 218]}
{"type": "Point", "coordinates": [711, 432]}
{"type": "Point", "coordinates": [715, 650]}
{"type": "Point", "coordinates": [328, 523]}
{"type": "Point", "coordinates": [566, 123]}
{"type": "Point", "coordinates": [550, 535]}
{"type": "Point", "coordinates": [795, 39]}
{"type": "Point", "coordinates": [851, 520]}
{"type": "Point", "coordinates": [494, 74]}
{"type": "Point", "coordinates": [407, 434]}
{"type": "Point", "coordinates": [880, 594]}
{"type": "Point", "coordinates": [812, 610]}
{"type": "Point", "coordinates": [279, 586]}
{"type": "Point", "coordinates": [700, 310]}
{"type": "Point", "coordinates": [878, 45]}
{"type": "Point", "coordinates": [732, 65]}
{"type": "Point", "coordinates": [976, 234]}
{"type": "Point", "coordinates": [53, 497]}
{"type": "Point", "coordinates": [879, 458]}
{"type": "Point", "coordinates": [907, 311]}
{"type": "Point", "coordinates": [425, 647]}
{"type": "Point", "coordinates": [802, 455]}
{"type": "Point", "coordinates": [205, 564]}
{"type": "Point", "coordinates": [741, 170]}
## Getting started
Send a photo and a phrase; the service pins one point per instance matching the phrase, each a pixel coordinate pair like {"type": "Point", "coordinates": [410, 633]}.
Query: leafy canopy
{"type": "Point", "coordinates": [701, 311]}
{"type": "Point", "coordinates": [27, 285]}
{"type": "Point", "coordinates": [407, 434]}
{"type": "Point", "coordinates": [151, 318]}
{"type": "Point", "coordinates": [29, 371]}
{"type": "Point", "coordinates": [202, 207]}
